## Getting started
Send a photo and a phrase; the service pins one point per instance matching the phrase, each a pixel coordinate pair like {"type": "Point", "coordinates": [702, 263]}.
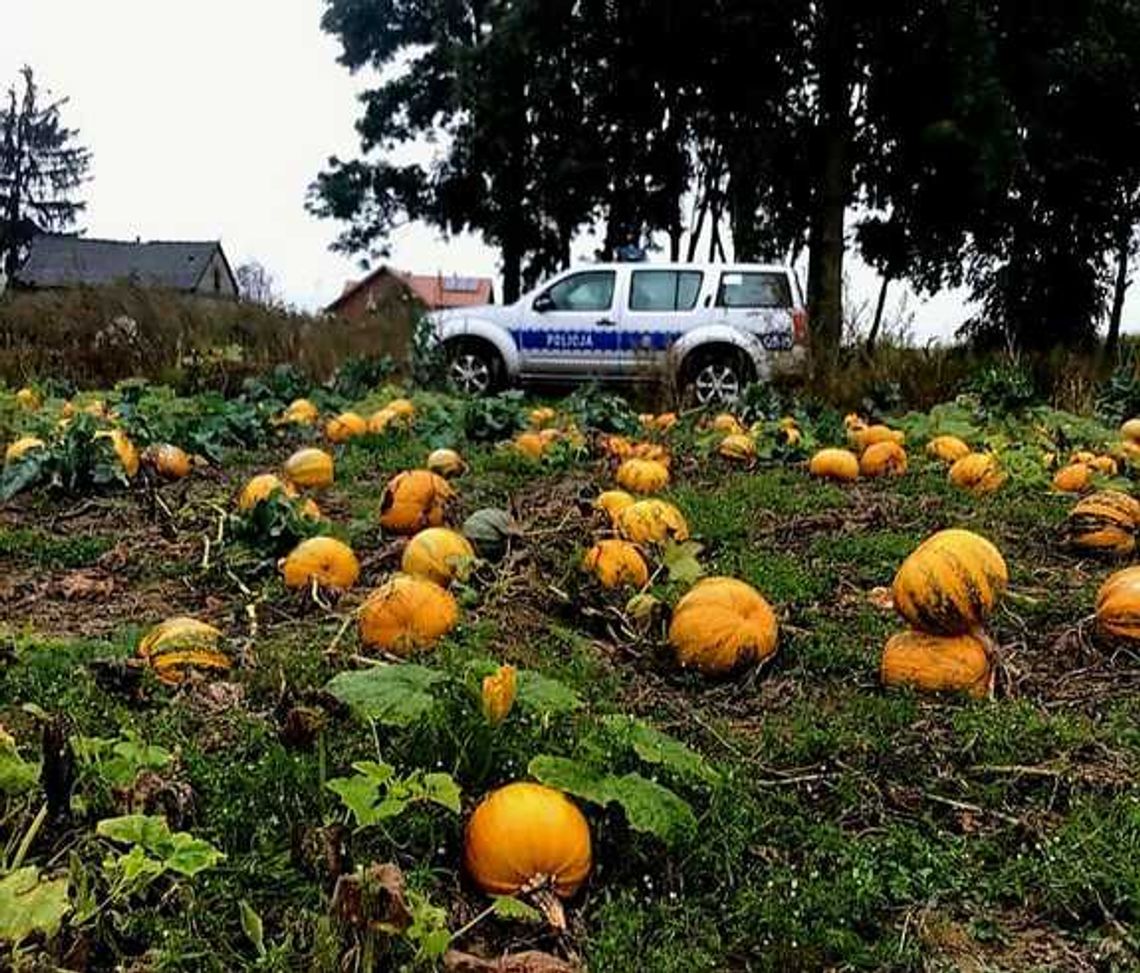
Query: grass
{"type": "Point", "coordinates": [847, 827]}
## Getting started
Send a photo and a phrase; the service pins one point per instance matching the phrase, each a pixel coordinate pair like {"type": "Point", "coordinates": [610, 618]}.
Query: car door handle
{"type": "Point", "coordinates": [605, 323]}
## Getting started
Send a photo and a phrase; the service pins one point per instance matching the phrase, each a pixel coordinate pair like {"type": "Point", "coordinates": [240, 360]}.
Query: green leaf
{"type": "Point", "coordinates": [252, 926]}
{"type": "Point", "coordinates": [442, 789]}
{"type": "Point", "coordinates": [429, 926]}
{"type": "Point", "coordinates": [135, 870]}
{"type": "Point", "coordinates": [150, 831]}
{"type": "Point", "coordinates": [655, 747]}
{"type": "Point", "coordinates": [359, 795]}
{"type": "Point", "coordinates": [652, 808]}
{"type": "Point", "coordinates": [374, 771]}
{"type": "Point", "coordinates": [544, 695]}
{"type": "Point", "coordinates": [29, 906]}
{"type": "Point", "coordinates": [680, 560]}
{"type": "Point", "coordinates": [570, 776]}
{"type": "Point", "coordinates": [508, 907]}
{"type": "Point", "coordinates": [17, 775]}
{"type": "Point", "coordinates": [188, 855]}
{"type": "Point", "coordinates": [394, 695]}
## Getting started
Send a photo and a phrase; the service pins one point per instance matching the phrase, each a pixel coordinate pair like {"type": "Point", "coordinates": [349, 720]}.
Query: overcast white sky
{"type": "Point", "coordinates": [208, 120]}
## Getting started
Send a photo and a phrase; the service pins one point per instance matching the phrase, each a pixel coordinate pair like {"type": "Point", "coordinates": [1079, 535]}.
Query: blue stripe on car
{"type": "Point", "coordinates": [540, 339]}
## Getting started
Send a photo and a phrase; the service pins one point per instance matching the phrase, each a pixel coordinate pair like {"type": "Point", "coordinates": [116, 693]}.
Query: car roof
{"type": "Point", "coordinates": [723, 267]}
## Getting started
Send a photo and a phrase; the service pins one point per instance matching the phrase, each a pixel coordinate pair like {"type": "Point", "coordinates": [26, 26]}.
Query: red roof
{"type": "Point", "coordinates": [436, 291]}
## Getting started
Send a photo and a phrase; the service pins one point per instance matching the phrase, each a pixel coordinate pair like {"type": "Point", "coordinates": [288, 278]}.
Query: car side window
{"type": "Point", "coordinates": [754, 290]}
{"type": "Point", "coordinates": [592, 290]}
{"type": "Point", "coordinates": [665, 290]}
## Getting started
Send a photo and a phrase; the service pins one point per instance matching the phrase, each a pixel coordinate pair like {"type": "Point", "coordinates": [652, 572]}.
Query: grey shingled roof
{"type": "Point", "coordinates": [58, 260]}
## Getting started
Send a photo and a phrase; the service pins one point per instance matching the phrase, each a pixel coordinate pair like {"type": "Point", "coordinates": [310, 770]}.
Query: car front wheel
{"type": "Point", "coordinates": [717, 379]}
{"type": "Point", "coordinates": [473, 369]}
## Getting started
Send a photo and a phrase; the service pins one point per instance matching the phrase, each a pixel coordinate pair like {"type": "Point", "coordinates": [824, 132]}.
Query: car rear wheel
{"type": "Point", "coordinates": [717, 378]}
{"type": "Point", "coordinates": [473, 368]}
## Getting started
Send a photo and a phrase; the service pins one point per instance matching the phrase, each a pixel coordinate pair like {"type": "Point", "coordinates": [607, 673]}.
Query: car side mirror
{"type": "Point", "coordinates": [543, 303]}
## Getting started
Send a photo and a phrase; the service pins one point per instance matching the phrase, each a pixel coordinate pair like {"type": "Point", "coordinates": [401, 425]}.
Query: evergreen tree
{"type": "Point", "coordinates": [41, 167]}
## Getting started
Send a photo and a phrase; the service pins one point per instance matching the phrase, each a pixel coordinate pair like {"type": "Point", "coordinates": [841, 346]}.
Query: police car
{"type": "Point", "coordinates": [711, 329]}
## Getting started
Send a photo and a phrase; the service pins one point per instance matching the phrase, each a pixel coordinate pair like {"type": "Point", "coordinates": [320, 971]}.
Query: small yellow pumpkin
{"type": "Point", "coordinates": [613, 502]}
{"type": "Point", "coordinates": [524, 836]}
{"type": "Point", "coordinates": [737, 446]}
{"type": "Point", "coordinates": [440, 555]}
{"type": "Point", "coordinates": [1073, 478]}
{"type": "Point", "coordinates": [407, 614]}
{"type": "Point", "coordinates": [262, 487]}
{"type": "Point", "coordinates": [413, 500]}
{"type": "Point", "coordinates": [1083, 456]}
{"type": "Point", "coordinates": [977, 472]}
{"type": "Point", "coordinates": [178, 645]}
{"type": "Point", "coordinates": [380, 420]}
{"type": "Point", "coordinates": [665, 421]}
{"type": "Point", "coordinates": [950, 584]}
{"type": "Point", "coordinates": [835, 464]}
{"type": "Point", "coordinates": [721, 624]}
{"type": "Point", "coordinates": [937, 663]}
{"type": "Point", "coordinates": [329, 562]}
{"type": "Point", "coordinates": [542, 417]}
{"type": "Point", "coordinates": [853, 421]}
{"type": "Point", "coordinates": [342, 428]}
{"type": "Point", "coordinates": [446, 462]}
{"type": "Point", "coordinates": [530, 444]}
{"type": "Point", "coordinates": [300, 412]}
{"type": "Point", "coordinates": [615, 446]}
{"type": "Point", "coordinates": [168, 461]}
{"type": "Point", "coordinates": [29, 399]}
{"type": "Point", "coordinates": [1131, 430]}
{"type": "Point", "coordinates": [874, 435]}
{"type": "Point", "coordinates": [616, 563]}
{"type": "Point", "coordinates": [651, 451]}
{"type": "Point", "coordinates": [884, 458]}
{"type": "Point", "coordinates": [403, 408]}
{"type": "Point", "coordinates": [1104, 465]}
{"type": "Point", "coordinates": [643, 476]}
{"type": "Point", "coordinates": [728, 424]}
{"type": "Point", "coordinates": [652, 522]}
{"type": "Point", "coordinates": [125, 450]}
{"type": "Point", "coordinates": [1118, 605]}
{"type": "Point", "coordinates": [311, 468]}
{"type": "Point", "coordinates": [21, 447]}
{"type": "Point", "coordinates": [947, 449]}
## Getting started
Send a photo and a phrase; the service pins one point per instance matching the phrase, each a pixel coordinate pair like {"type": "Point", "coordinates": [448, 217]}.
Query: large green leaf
{"type": "Point", "coordinates": [655, 747]}
{"type": "Point", "coordinates": [648, 806]}
{"type": "Point", "coordinates": [188, 855]}
{"type": "Point", "coordinates": [394, 695]}
{"type": "Point", "coordinates": [544, 695]}
{"type": "Point", "coordinates": [29, 905]}
{"type": "Point", "coordinates": [147, 830]}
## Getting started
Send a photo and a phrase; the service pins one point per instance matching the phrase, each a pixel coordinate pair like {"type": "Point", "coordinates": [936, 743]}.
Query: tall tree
{"type": "Point", "coordinates": [41, 167]}
{"type": "Point", "coordinates": [256, 284]}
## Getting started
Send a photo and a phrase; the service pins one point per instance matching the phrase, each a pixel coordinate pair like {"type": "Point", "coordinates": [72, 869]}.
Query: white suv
{"type": "Point", "coordinates": [709, 328]}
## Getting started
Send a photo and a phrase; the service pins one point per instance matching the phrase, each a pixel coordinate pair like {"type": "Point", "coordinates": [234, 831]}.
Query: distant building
{"type": "Point", "coordinates": [383, 286]}
{"type": "Point", "coordinates": [63, 261]}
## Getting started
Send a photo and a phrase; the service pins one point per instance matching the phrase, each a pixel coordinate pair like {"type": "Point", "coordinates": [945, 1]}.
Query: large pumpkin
{"type": "Point", "coordinates": [446, 462]}
{"type": "Point", "coordinates": [168, 461]}
{"type": "Point", "coordinates": [1073, 478]}
{"type": "Point", "coordinates": [21, 447]}
{"type": "Point", "coordinates": [1104, 522]}
{"type": "Point", "coordinates": [344, 427]}
{"type": "Point", "coordinates": [616, 563]}
{"type": "Point", "coordinates": [886, 458]}
{"type": "Point", "coordinates": [413, 500]}
{"type": "Point", "coordinates": [977, 472]}
{"type": "Point", "coordinates": [652, 522]}
{"type": "Point", "coordinates": [311, 468]}
{"type": "Point", "coordinates": [835, 464]}
{"type": "Point", "coordinates": [721, 624]}
{"type": "Point", "coordinates": [950, 583]}
{"type": "Point", "coordinates": [325, 560]}
{"type": "Point", "coordinates": [524, 835]}
{"type": "Point", "coordinates": [261, 488]}
{"type": "Point", "coordinates": [936, 663]}
{"type": "Point", "coordinates": [174, 647]}
{"type": "Point", "coordinates": [947, 449]}
{"type": "Point", "coordinates": [613, 502]}
{"type": "Point", "coordinates": [407, 614]}
{"type": "Point", "coordinates": [1118, 605]}
{"type": "Point", "coordinates": [643, 476]}
{"type": "Point", "coordinates": [438, 554]}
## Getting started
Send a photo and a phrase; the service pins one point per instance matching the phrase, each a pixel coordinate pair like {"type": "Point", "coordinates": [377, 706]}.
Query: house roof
{"type": "Point", "coordinates": [59, 260]}
{"type": "Point", "coordinates": [435, 291]}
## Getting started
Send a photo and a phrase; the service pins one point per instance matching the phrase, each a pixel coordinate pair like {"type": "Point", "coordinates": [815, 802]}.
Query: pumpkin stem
{"type": "Point", "coordinates": [551, 907]}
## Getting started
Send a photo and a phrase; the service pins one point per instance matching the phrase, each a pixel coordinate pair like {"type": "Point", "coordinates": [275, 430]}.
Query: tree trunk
{"type": "Point", "coordinates": [873, 335]}
{"type": "Point", "coordinates": [512, 271]}
{"type": "Point", "coordinates": [1120, 288]}
{"type": "Point", "coordinates": [832, 183]}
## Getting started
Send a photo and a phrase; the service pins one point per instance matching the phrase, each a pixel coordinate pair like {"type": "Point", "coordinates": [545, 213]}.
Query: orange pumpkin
{"type": "Point", "coordinates": [261, 488]}
{"type": "Point", "coordinates": [21, 447]}
{"type": "Point", "coordinates": [168, 461]}
{"type": "Point", "coordinates": [1104, 522]}
{"type": "Point", "coordinates": [542, 417]}
{"type": "Point", "coordinates": [300, 412]}
{"type": "Point", "coordinates": [865, 437]}
{"type": "Point", "coordinates": [616, 563]}
{"type": "Point", "coordinates": [178, 645]}
{"type": "Point", "coordinates": [29, 399]}
{"type": "Point", "coordinates": [380, 420]}
{"type": "Point", "coordinates": [438, 554]}
{"type": "Point", "coordinates": [835, 464]}
{"type": "Point", "coordinates": [526, 835]}
{"type": "Point", "coordinates": [446, 462]}
{"type": "Point", "coordinates": [403, 408]}
{"type": "Point", "coordinates": [937, 663]}
{"type": "Point", "coordinates": [1131, 430]}
{"type": "Point", "coordinates": [643, 476]}
{"type": "Point", "coordinates": [721, 624]}
{"type": "Point", "coordinates": [738, 447]}
{"type": "Point", "coordinates": [886, 458]}
{"type": "Point", "coordinates": [1073, 478]}
{"type": "Point", "coordinates": [344, 427]}
{"type": "Point", "coordinates": [325, 560]}
{"type": "Point", "coordinates": [728, 424]}
{"type": "Point", "coordinates": [311, 468]}
{"type": "Point", "coordinates": [950, 583]}
{"type": "Point", "coordinates": [531, 445]}
{"type": "Point", "coordinates": [977, 472]}
{"type": "Point", "coordinates": [652, 522]}
{"type": "Point", "coordinates": [124, 449]}
{"type": "Point", "coordinates": [413, 500]}
{"type": "Point", "coordinates": [1118, 605]}
{"type": "Point", "coordinates": [407, 614]}
{"type": "Point", "coordinates": [613, 502]}
{"type": "Point", "coordinates": [947, 449]}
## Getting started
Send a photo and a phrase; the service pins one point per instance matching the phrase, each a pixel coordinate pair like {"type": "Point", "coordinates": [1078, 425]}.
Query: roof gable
{"type": "Point", "coordinates": [58, 260]}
